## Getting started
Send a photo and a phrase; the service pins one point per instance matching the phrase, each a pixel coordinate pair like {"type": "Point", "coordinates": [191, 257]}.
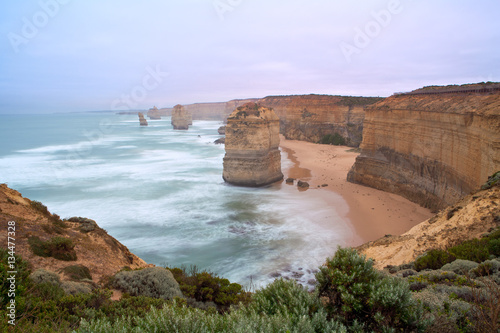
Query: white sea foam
{"type": "Point", "coordinates": [161, 193]}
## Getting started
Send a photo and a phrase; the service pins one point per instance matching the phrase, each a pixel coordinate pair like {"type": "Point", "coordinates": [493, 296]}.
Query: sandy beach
{"type": "Point", "coordinates": [373, 213]}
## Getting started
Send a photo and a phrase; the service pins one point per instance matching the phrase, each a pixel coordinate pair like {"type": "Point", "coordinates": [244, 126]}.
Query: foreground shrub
{"type": "Point", "coordinates": [175, 318]}
{"type": "Point", "coordinates": [58, 247]}
{"type": "Point", "coordinates": [289, 299]}
{"type": "Point", "coordinates": [22, 281]}
{"type": "Point", "coordinates": [434, 259]}
{"type": "Point", "coordinates": [364, 299]}
{"type": "Point", "coordinates": [154, 282]}
{"type": "Point", "coordinates": [206, 287]}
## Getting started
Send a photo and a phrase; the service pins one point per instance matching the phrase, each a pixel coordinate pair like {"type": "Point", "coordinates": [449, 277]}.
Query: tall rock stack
{"type": "Point", "coordinates": [142, 120]}
{"type": "Point", "coordinates": [252, 140]}
{"type": "Point", "coordinates": [181, 118]}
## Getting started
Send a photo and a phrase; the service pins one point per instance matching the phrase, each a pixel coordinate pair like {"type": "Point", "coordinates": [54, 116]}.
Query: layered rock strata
{"type": "Point", "coordinates": [142, 120]}
{"type": "Point", "coordinates": [430, 148]}
{"type": "Point", "coordinates": [181, 118]}
{"type": "Point", "coordinates": [252, 147]}
{"type": "Point", "coordinates": [315, 118]}
{"type": "Point", "coordinates": [216, 111]}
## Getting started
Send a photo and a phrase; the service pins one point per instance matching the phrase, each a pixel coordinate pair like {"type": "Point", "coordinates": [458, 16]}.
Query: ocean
{"type": "Point", "coordinates": [160, 192]}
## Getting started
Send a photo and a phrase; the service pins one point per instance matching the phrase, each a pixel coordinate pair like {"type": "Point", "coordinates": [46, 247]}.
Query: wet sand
{"type": "Point", "coordinates": [373, 213]}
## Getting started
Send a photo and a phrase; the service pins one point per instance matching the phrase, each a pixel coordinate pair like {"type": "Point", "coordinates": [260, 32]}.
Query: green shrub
{"type": "Point", "coordinates": [207, 287]}
{"type": "Point", "coordinates": [333, 139]}
{"type": "Point", "coordinates": [74, 288]}
{"type": "Point", "coordinates": [460, 266]}
{"type": "Point", "coordinates": [60, 248]}
{"type": "Point", "coordinates": [40, 207]}
{"type": "Point", "coordinates": [434, 259]}
{"type": "Point", "coordinates": [175, 318]}
{"type": "Point", "coordinates": [492, 181]}
{"type": "Point", "coordinates": [86, 224]}
{"type": "Point", "coordinates": [473, 250]}
{"type": "Point", "coordinates": [44, 276]}
{"type": "Point", "coordinates": [22, 280]}
{"type": "Point", "coordinates": [288, 298]}
{"type": "Point", "coordinates": [154, 282]}
{"type": "Point", "coordinates": [362, 298]}
{"type": "Point", "coordinates": [77, 272]}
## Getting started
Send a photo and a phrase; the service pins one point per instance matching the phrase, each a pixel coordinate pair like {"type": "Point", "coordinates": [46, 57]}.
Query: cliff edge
{"type": "Point", "coordinates": [470, 218]}
{"type": "Point", "coordinates": [86, 242]}
{"type": "Point", "coordinates": [432, 148]}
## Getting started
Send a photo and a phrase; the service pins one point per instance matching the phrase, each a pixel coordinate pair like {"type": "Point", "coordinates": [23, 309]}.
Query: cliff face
{"type": "Point", "coordinates": [215, 111]}
{"type": "Point", "coordinates": [432, 149]}
{"type": "Point", "coordinates": [312, 117]}
{"type": "Point", "coordinates": [470, 218]}
{"type": "Point", "coordinates": [95, 249]}
{"type": "Point", "coordinates": [181, 118]}
{"type": "Point", "coordinates": [252, 147]}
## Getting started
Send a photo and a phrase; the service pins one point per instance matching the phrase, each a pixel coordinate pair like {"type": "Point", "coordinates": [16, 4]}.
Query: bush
{"type": "Point", "coordinates": [40, 207]}
{"type": "Point", "coordinates": [60, 248]}
{"type": "Point", "coordinates": [333, 139]}
{"type": "Point", "coordinates": [74, 288]}
{"type": "Point", "coordinates": [43, 276]}
{"type": "Point", "coordinates": [434, 259]}
{"type": "Point", "coordinates": [207, 287]}
{"type": "Point", "coordinates": [154, 282]}
{"type": "Point", "coordinates": [288, 298]}
{"type": "Point", "coordinates": [86, 225]}
{"type": "Point", "coordinates": [492, 181]}
{"type": "Point", "coordinates": [361, 298]}
{"type": "Point", "coordinates": [460, 266]}
{"type": "Point", "coordinates": [22, 282]}
{"type": "Point", "coordinates": [175, 318]}
{"type": "Point", "coordinates": [77, 272]}
{"type": "Point", "coordinates": [473, 250]}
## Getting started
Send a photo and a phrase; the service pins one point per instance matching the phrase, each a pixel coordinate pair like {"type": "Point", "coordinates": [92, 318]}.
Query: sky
{"type": "Point", "coordinates": [76, 55]}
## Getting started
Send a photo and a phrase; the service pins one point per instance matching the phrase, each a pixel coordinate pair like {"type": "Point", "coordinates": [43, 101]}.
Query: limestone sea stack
{"type": "Point", "coordinates": [154, 113]}
{"type": "Point", "coordinates": [142, 120]}
{"type": "Point", "coordinates": [252, 140]}
{"type": "Point", "coordinates": [181, 118]}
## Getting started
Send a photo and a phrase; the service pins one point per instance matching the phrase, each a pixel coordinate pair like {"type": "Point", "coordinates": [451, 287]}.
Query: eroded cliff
{"type": "Point", "coordinates": [216, 111]}
{"type": "Point", "coordinates": [102, 254]}
{"type": "Point", "coordinates": [315, 117]}
{"type": "Point", "coordinates": [430, 148]}
{"type": "Point", "coordinates": [470, 218]}
{"type": "Point", "coordinates": [252, 147]}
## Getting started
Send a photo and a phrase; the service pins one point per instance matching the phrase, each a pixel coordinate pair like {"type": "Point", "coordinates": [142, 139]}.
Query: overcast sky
{"type": "Point", "coordinates": [75, 55]}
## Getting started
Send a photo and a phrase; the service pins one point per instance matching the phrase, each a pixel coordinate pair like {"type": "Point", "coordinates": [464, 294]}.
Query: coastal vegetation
{"type": "Point", "coordinates": [350, 296]}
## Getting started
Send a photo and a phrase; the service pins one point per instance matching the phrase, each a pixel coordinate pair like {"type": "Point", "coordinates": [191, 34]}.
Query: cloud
{"type": "Point", "coordinates": [91, 52]}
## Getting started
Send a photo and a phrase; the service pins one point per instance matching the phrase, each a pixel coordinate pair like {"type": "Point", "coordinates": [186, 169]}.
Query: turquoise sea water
{"type": "Point", "coordinates": [160, 192]}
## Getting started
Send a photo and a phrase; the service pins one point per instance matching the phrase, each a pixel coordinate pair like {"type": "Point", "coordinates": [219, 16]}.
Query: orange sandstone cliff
{"type": "Point", "coordinates": [430, 146]}
{"type": "Point", "coordinates": [312, 117]}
